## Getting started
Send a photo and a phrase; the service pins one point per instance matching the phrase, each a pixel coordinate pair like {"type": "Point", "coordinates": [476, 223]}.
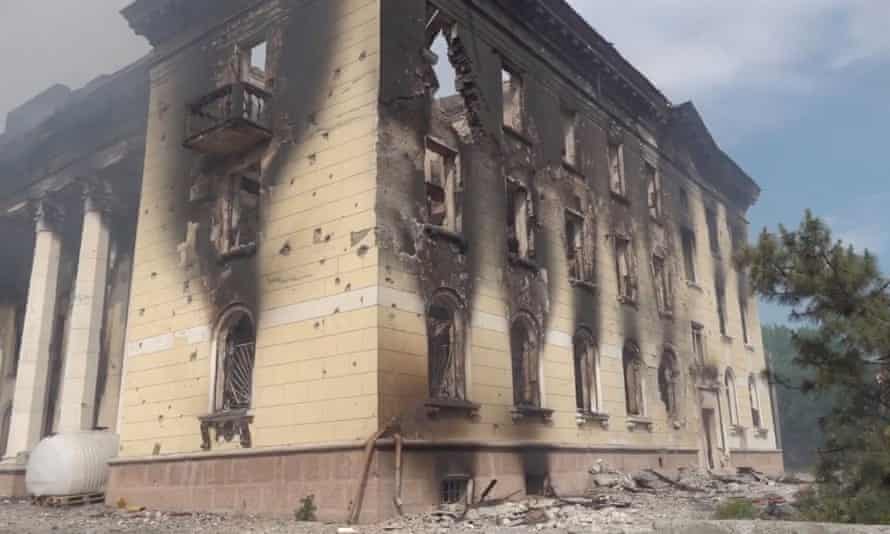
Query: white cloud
{"type": "Point", "coordinates": [758, 56]}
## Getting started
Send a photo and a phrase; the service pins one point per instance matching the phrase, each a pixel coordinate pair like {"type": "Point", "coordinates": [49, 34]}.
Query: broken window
{"type": "Point", "coordinates": [236, 218]}
{"type": "Point", "coordinates": [688, 237]}
{"type": "Point", "coordinates": [445, 344]}
{"type": "Point", "coordinates": [698, 342]}
{"type": "Point", "coordinates": [754, 395]}
{"type": "Point", "coordinates": [669, 383]}
{"type": "Point", "coordinates": [663, 291]}
{"type": "Point", "coordinates": [713, 238]}
{"type": "Point", "coordinates": [520, 216]}
{"type": "Point", "coordinates": [579, 246]}
{"type": "Point", "coordinates": [653, 184]}
{"type": "Point", "coordinates": [616, 168]}
{"type": "Point", "coordinates": [624, 269]}
{"type": "Point", "coordinates": [586, 373]}
{"type": "Point", "coordinates": [569, 143]}
{"type": "Point", "coordinates": [732, 401]}
{"type": "Point", "coordinates": [252, 63]}
{"type": "Point", "coordinates": [443, 82]}
{"type": "Point", "coordinates": [743, 314]}
{"type": "Point", "coordinates": [720, 294]}
{"type": "Point", "coordinates": [235, 348]}
{"type": "Point", "coordinates": [632, 364]}
{"type": "Point", "coordinates": [443, 186]}
{"type": "Point", "coordinates": [525, 349]}
{"type": "Point", "coordinates": [513, 98]}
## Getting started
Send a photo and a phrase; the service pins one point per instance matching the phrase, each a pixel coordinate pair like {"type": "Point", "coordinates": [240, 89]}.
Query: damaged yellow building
{"type": "Point", "coordinates": [469, 222]}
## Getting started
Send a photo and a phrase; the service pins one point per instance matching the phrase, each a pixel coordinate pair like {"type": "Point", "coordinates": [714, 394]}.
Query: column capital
{"type": "Point", "coordinates": [48, 215]}
{"type": "Point", "coordinates": [97, 196]}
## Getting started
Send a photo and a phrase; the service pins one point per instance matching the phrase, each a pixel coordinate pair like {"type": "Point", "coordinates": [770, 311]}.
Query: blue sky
{"type": "Point", "coordinates": [795, 90]}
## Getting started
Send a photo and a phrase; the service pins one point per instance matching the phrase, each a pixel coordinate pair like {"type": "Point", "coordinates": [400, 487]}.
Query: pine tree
{"type": "Point", "coordinates": [842, 302]}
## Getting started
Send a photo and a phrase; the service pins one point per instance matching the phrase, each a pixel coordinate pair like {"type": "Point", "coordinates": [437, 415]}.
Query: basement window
{"type": "Point", "coordinates": [513, 98]}
{"type": "Point", "coordinates": [569, 141]}
{"type": "Point", "coordinates": [536, 485]}
{"type": "Point", "coordinates": [443, 186]}
{"type": "Point", "coordinates": [453, 489]}
{"type": "Point", "coordinates": [663, 291]}
{"type": "Point", "coordinates": [624, 270]}
{"type": "Point", "coordinates": [653, 183]}
{"type": "Point", "coordinates": [520, 217]}
{"type": "Point", "coordinates": [615, 153]}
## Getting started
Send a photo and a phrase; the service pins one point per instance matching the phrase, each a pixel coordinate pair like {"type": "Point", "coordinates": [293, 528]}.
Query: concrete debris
{"type": "Point", "coordinates": [613, 502]}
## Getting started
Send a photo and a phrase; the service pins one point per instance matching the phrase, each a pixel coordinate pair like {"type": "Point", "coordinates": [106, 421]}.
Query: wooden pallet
{"type": "Point", "coordinates": [69, 500]}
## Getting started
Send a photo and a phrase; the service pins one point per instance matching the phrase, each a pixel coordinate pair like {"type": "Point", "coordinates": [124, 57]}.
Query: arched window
{"type": "Point", "coordinates": [669, 382]}
{"type": "Point", "coordinates": [525, 350]}
{"type": "Point", "coordinates": [586, 373]}
{"type": "Point", "coordinates": [632, 364]}
{"type": "Point", "coordinates": [732, 401]}
{"type": "Point", "coordinates": [235, 349]}
{"type": "Point", "coordinates": [755, 401]}
{"type": "Point", "coordinates": [445, 329]}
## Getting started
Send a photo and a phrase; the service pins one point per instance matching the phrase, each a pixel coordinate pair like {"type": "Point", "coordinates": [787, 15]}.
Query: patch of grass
{"type": "Point", "coordinates": [307, 509]}
{"type": "Point", "coordinates": [737, 509]}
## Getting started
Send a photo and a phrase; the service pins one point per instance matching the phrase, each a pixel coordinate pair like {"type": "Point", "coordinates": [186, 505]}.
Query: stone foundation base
{"type": "Point", "coordinates": [12, 481]}
{"type": "Point", "coordinates": [274, 482]}
{"type": "Point", "coordinates": [769, 462]}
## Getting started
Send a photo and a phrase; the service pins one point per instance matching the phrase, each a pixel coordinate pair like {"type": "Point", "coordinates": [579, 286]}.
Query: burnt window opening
{"type": "Point", "coordinates": [235, 356]}
{"type": "Point", "coordinates": [587, 398]}
{"type": "Point", "coordinates": [713, 236]}
{"type": "Point", "coordinates": [520, 221]}
{"type": "Point", "coordinates": [579, 247]}
{"type": "Point", "coordinates": [653, 188]}
{"type": "Point", "coordinates": [569, 141]}
{"type": "Point", "coordinates": [743, 315]}
{"type": "Point", "coordinates": [624, 270]}
{"type": "Point", "coordinates": [252, 63]}
{"type": "Point", "coordinates": [525, 352]}
{"type": "Point", "coordinates": [687, 236]}
{"type": "Point", "coordinates": [513, 101]}
{"type": "Point", "coordinates": [615, 153]}
{"type": "Point", "coordinates": [754, 397]}
{"type": "Point", "coordinates": [453, 489]}
{"type": "Point", "coordinates": [683, 194]}
{"type": "Point", "coordinates": [633, 367]}
{"type": "Point", "coordinates": [444, 191]}
{"type": "Point", "coordinates": [440, 32]}
{"type": "Point", "coordinates": [236, 218]}
{"type": "Point", "coordinates": [445, 345]}
{"type": "Point", "coordinates": [732, 401]}
{"type": "Point", "coordinates": [669, 383]}
{"type": "Point", "coordinates": [720, 296]}
{"type": "Point", "coordinates": [663, 291]}
{"type": "Point", "coordinates": [698, 342]}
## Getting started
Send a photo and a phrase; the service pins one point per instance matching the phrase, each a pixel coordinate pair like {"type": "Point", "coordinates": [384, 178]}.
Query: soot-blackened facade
{"type": "Point", "coordinates": [471, 225]}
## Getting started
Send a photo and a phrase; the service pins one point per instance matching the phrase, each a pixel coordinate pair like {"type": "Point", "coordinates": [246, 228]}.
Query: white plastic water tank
{"type": "Point", "coordinates": [71, 463]}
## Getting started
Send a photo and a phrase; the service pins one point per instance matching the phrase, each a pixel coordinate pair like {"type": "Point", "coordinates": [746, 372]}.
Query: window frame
{"type": "Point", "coordinates": [617, 170]}
{"type": "Point", "coordinates": [588, 399]}
{"type": "Point", "coordinates": [452, 188]}
{"type": "Point", "coordinates": [228, 320]}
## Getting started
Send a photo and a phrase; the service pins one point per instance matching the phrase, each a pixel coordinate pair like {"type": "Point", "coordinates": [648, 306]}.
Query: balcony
{"type": "Point", "coordinates": [230, 120]}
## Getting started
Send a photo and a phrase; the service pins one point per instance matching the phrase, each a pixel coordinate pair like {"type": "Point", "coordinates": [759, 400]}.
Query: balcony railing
{"type": "Point", "coordinates": [231, 119]}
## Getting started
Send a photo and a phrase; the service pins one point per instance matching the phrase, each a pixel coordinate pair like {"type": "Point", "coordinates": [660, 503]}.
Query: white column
{"type": "Point", "coordinates": [29, 399]}
{"type": "Point", "coordinates": [78, 398]}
